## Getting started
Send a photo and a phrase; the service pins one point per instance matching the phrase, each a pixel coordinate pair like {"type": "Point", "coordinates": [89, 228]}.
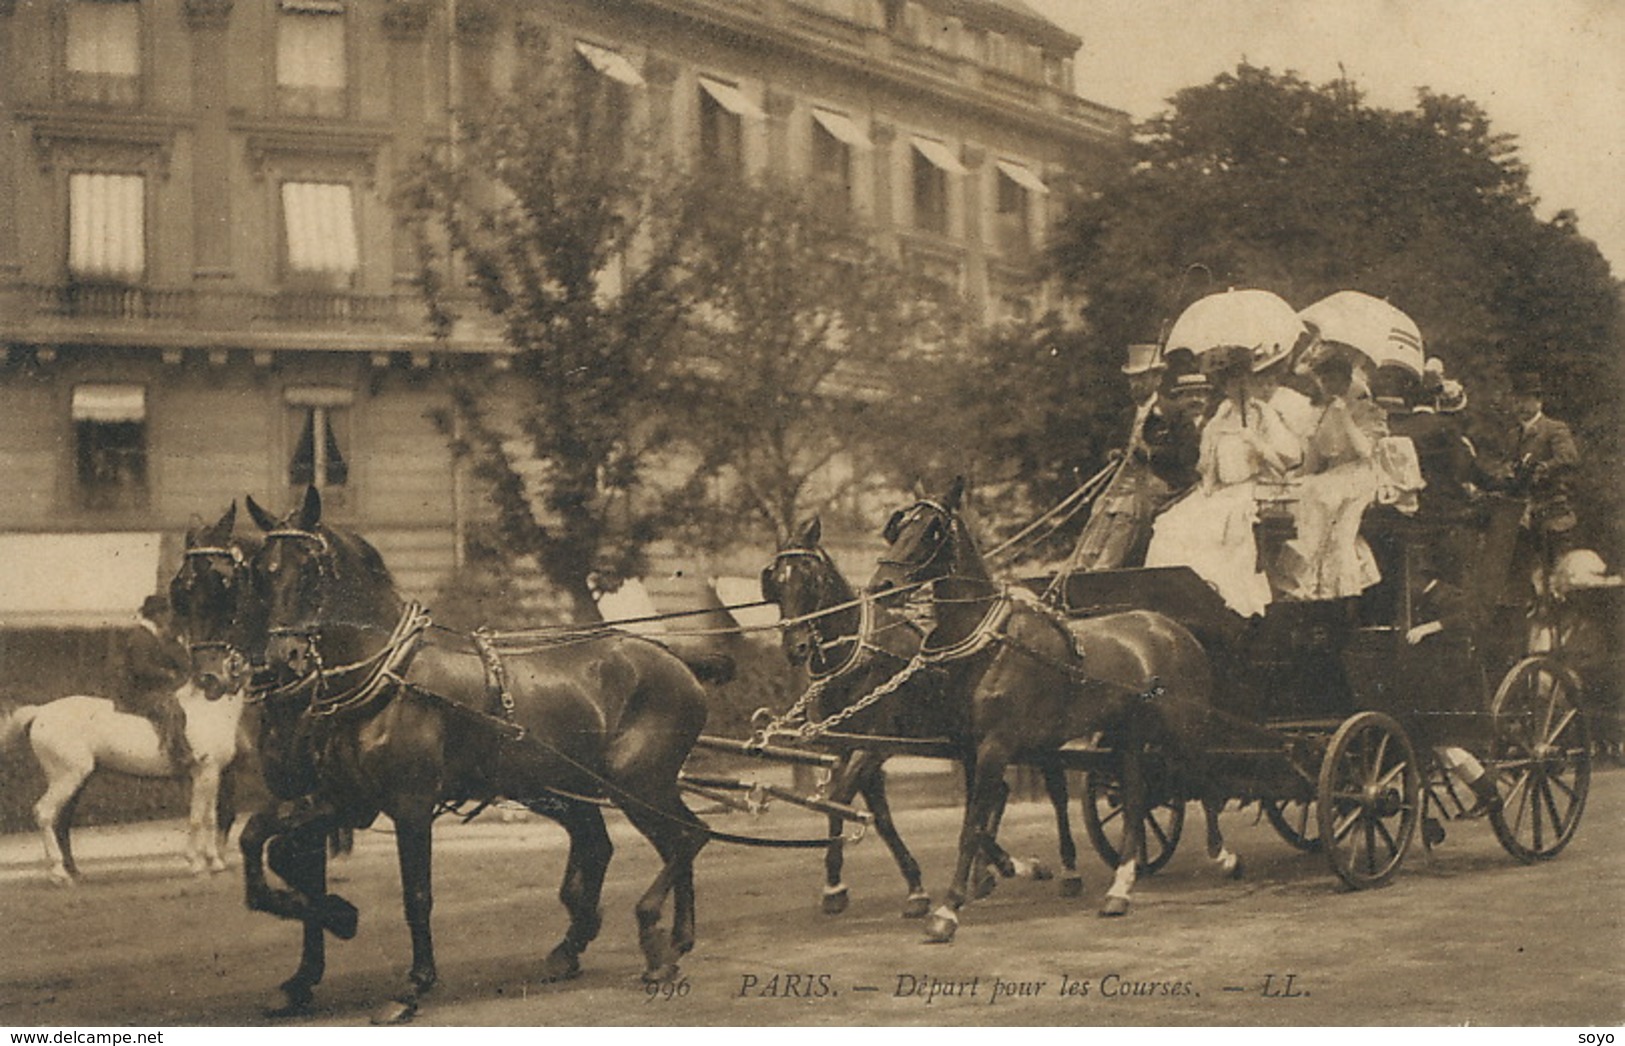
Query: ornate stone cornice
{"type": "Point", "coordinates": [275, 146]}
{"type": "Point", "coordinates": [406, 19]}
{"type": "Point", "coordinates": [206, 14]}
{"type": "Point", "coordinates": [96, 140]}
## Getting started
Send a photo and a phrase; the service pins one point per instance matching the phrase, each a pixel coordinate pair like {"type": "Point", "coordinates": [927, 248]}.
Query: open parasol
{"type": "Point", "coordinates": [1382, 333]}
{"type": "Point", "coordinates": [1255, 321]}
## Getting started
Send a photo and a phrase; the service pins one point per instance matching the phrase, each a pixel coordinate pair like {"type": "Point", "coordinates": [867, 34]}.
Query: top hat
{"type": "Point", "coordinates": [1526, 383]}
{"type": "Point", "coordinates": [1143, 358]}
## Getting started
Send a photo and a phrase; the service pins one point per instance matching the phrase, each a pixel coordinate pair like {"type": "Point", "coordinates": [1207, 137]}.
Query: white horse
{"type": "Point", "coordinates": [73, 737]}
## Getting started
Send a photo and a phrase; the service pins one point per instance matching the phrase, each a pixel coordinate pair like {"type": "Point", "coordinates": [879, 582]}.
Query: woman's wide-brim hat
{"type": "Point", "coordinates": [1380, 332]}
{"type": "Point", "coordinates": [1256, 322]}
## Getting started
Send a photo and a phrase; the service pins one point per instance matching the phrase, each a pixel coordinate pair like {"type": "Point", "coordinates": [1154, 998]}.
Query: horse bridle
{"type": "Point", "coordinates": [236, 659]}
{"type": "Point", "coordinates": [771, 591]}
{"type": "Point", "coordinates": [325, 570]}
{"type": "Point", "coordinates": [894, 530]}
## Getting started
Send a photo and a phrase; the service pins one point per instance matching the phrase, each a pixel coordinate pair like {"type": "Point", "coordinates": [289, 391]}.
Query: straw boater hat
{"type": "Point", "coordinates": [1143, 358]}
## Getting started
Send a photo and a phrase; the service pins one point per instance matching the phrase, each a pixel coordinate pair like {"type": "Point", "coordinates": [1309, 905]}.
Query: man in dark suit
{"type": "Point", "coordinates": [1543, 460]}
{"type": "Point", "coordinates": [152, 667]}
{"type": "Point", "coordinates": [1159, 461]}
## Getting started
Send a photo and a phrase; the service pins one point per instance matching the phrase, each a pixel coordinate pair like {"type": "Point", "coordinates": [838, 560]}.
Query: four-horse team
{"type": "Point", "coordinates": [1291, 538]}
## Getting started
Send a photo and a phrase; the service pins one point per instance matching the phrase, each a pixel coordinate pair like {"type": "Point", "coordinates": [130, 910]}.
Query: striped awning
{"type": "Point", "coordinates": [938, 155]}
{"type": "Point", "coordinates": [109, 403]}
{"type": "Point", "coordinates": [612, 64]}
{"type": "Point", "coordinates": [107, 215]}
{"type": "Point", "coordinates": [320, 219]}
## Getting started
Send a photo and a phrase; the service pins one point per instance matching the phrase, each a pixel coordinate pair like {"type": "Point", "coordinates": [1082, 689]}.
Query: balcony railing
{"type": "Point", "coordinates": [185, 307]}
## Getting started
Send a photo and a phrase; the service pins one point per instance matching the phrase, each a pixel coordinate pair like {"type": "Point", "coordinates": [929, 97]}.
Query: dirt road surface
{"type": "Point", "coordinates": [1467, 936]}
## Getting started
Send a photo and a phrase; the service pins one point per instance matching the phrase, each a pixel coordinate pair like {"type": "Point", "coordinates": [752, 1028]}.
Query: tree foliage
{"type": "Point", "coordinates": [1262, 179]}
{"type": "Point", "coordinates": [572, 237]}
{"type": "Point", "coordinates": [807, 363]}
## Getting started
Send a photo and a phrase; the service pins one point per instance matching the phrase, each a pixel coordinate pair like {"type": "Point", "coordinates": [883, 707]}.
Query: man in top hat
{"type": "Point", "coordinates": [153, 666]}
{"type": "Point", "coordinates": [1159, 459]}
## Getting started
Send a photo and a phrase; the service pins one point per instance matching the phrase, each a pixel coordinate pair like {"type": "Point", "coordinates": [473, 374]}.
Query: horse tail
{"type": "Point", "coordinates": [14, 722]}
{"type": "Point", "coordinates": [709, 667]}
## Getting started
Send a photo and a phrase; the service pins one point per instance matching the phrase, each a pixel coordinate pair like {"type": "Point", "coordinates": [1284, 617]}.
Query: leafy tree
{"type": "Point", "coordinates": [810, 365]}
{"type": "Point", "coordinates": [572, 236]}
{"type": "Point", "coordinates": [1262, 179]}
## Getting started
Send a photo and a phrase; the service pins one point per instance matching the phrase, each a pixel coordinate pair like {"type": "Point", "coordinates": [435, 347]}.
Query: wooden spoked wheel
{"type": "Point", "coordinates": [1296, 821]}
{"type": "Point", "coordinates": [1541, 756]}
{"type": "Point", "coordinates": [1369, 799]}
{"type": "Point", "coordinates": [1103, 817]}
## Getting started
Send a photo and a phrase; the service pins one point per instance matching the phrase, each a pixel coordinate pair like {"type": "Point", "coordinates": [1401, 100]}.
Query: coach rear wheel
{"type": "Point", "coordinates": [1103, 817]}
{"type": "Point", "coordinates": [1296, 821]}
{"type": "Point", "coordinates": [1369, 799]}
{"type": "Point", "coordinates": [1541, 756]}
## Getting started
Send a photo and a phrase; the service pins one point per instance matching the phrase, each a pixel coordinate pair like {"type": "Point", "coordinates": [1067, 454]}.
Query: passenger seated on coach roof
{"type": "Point", "coordinates": [1210, 528]}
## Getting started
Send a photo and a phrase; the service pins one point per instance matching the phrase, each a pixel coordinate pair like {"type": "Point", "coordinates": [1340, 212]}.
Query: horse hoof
{"type": "Point", "coordinates": [1072, 886]}
{"type": "Point", "coordinates": [1038, 871]}
{"type": "Point", "coordinates": [663, 974]}
{"type": "Point", "coordinates": [918, 906]}
{"type": "Point", "coordinates": [940, 930]}
{"type": "Point", "coordinates": [339, 917]}
{"type": "Point", "coordinates": [560, 965]}
{"type": "Point", "coordinates": [395, 1011]}
{"type": "Point", "coordinates": [835, 903]}
{"type": "Point", "coordinates": [1114, 907]}
{"type": "Point", "coordinates": [62, 878]}
{"type": "Point", "coordinates": [985, 886]}
{"type": "Point", "coordinates": [1237, 870]}
{"type": "Point", "coordinates": [292, 1004]}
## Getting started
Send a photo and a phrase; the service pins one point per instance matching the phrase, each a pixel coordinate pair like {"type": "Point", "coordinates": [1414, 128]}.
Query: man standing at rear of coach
{"type": "Point", "coordinates": [1544, 458]}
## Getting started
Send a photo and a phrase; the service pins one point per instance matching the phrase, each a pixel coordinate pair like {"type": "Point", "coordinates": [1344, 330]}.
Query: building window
{"type": "Point", "coordinates": [110, 445]}
{"type": "Point", "coordinates": [1017, 186]}
{"type": "Point", "coordinates": [104, 51]}
{"type": "Point", "coordinates": [604, 84]}
{"type": "Point", "coordinates": [835, 140]}
{"type": "Point", "coordinates": [310, 58]}
{"type": "Point", "coordinates": [107, 220]}
{"type": "Point", "coordinates": [320, 418]}
{"type": "Point", "coordinates": [933, 162]}
{"type": "Point", "coordinates": [723, 112]}
{"type": "Point", "coordinates": [319, 236]}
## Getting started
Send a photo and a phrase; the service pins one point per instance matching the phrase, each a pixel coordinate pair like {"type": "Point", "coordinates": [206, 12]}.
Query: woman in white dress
{"type": "Point", "coordinates": [1210, 529]}
{"type": "Point", "coordinates": [1327, 559]}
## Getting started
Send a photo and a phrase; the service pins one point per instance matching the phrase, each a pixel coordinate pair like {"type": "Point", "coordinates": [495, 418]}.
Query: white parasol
{"type": "Point", "coordinates": [1384, 334]}
{"type": "Point", "coordinates": [1257, 321]}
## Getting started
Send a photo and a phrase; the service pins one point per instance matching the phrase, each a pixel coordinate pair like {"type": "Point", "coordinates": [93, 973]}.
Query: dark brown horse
{"type": "Point", "coordinates": [380, 713]}
{"type": "Point", "coordinates": [1136, 679]}
{"type": "Point", "coordinates": [853, 648]}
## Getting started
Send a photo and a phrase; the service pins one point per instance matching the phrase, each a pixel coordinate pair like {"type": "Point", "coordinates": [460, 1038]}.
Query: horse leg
{"type": "Point", "coordinates": [414, 849]}
{"type": "Point", "coordinates": [1229, 863]}
{"type": "Point", "coordinates": [54, 815]}
{"type": "Point", "coordinates": [583, 885]}
{"type": "Point", "coordinates": [677, 835]}
{"type": "Point", "coordinates": [843, 786]}
{"type": "Point", "coordinates": [984, 800]}
{"type": "Point", "coordinates": [1055, 786]}
{"type": "Point", "coordinates": [225, 811]}
{"type": "Point", "coordinates": [202, 848]}
{"type": "Point", "coordinates": [1120, 895]}
{"type": "Point", "coordinates": [874, 795]}
{"type": "Point", "coordinates": [298, 854]}
{"type": "Point", "coordinates": [1011, 867]}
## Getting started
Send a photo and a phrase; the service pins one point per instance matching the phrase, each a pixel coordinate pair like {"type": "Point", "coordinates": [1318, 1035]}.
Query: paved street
{"type": "Point", "coordinates": [1468, 936]}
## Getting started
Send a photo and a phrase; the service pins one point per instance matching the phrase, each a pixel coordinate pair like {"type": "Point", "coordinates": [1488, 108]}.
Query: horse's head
{"type": "Point", "coordinates": [214, 605]}
{"type": "Point", "coordinates": [803, 580]}
{"type": "Point", "coordinates": [920, 544]}
{"type": "Point", "coordinates": [293, 572]}
{"type": "Point", "coordinates": [323, 589]}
